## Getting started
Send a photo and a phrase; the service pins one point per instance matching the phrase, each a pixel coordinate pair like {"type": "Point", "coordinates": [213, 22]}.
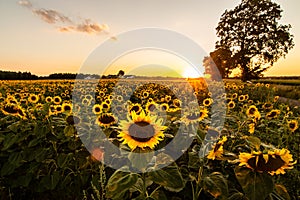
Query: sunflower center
{"type": "Point", "coordinates": [11, 109]}
{"type": "Point", "coordinates": [194, 116]}
{"type": "Point", "coordinates": [272, 165]}
{"type": "Point", "coordinates": [252, 111]}
{"type": "Point", "coordinates": [106, 119]}
{"type": "Point", "coordinates": [141, 131]}
{"type": "Point", "coordinates": [292, 125]}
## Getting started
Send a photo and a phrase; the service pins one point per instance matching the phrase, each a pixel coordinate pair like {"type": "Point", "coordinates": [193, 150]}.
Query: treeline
{"type": "Point", "coordinates": [9, 75]}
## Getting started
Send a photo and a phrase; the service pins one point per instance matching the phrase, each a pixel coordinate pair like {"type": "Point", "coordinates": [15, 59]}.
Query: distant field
{"type": "Point", "coordinates": [279, 81]}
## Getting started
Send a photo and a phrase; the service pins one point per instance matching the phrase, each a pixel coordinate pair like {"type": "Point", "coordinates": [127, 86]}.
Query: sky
{"type": "Point", "coordinates": [44, 37]}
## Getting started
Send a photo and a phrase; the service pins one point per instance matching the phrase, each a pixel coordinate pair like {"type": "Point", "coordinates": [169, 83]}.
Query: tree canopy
{"type": "Point", "coordinates": [251, 31]}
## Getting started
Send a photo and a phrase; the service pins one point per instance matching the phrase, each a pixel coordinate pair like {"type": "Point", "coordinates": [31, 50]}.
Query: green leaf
{"type": "Point", "coordinates": [216, 185]}
{"type": "Point", "coordinates": [63, 159]}
{"type": "Point", "coordinates": [282, 191]}
{"type": "Point", "coordinates": [15, 158]}
{"type": "Point", "coordinates": [254, 142]}
{"type": "Point", "coordinates": [236, 196]}
{"type": "Point", "coordinates": [119, 183]}
{"type": "Point", "coordinates": [50, 181]}
{"type": "Point", "coordinates": [169, 177]}
{"type": "Point", "coordinates": [69, 131]}
{"type": "Point", "coordinates": [255, 185]}
{"type": "Point", "coordinates": [7, 169]}
{"type": "Point", "coordinates": [9, 140]}
{"type": "Point", "coordinates": [158, 195]}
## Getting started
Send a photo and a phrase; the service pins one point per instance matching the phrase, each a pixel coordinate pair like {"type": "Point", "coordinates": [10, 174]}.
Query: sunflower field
{"type": "Point", "coordinates": [147, 139]}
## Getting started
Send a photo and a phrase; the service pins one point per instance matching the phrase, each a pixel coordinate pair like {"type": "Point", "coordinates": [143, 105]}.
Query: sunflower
{"type": "Point", "coordinates": [176, 102]}
{"type": "Point", "coordinates": [293, 125]}
{"type": "Point", "coordinates": [234, 96]}
{"type": "Point", "coordinates": [141, 131]}
{"type": "Point", "coordinates": [85, 102]}
{"type": "Point", "coordinates": [168, 98]}
{"type": "Point", "coordinates": [276, 98]}
{"type": "Point", "coordinates": [48, 99]}
{"type": "Point", "coordinates": [267, 106]}
{"type": "Point", "coordinates": [231, 104]}
{"type": "Point", "coordinates": [164, 107]}
{"type": "Point", "coordinates": [135, 107]}
{"type": "Point", "coordinates": [151, 106]}
{"type": "Point", "coordinates": [10, 109]}
{"type": "Point", "coordinates": [194, 117]}
{"type": "Point", "coordinates": [241, 98]}
{"type": "Point", "coordinates": [251, 128]}
{"type": "Point", "coordinates": [207, 102]}
{"type": "Point", "coordinates": [97, 109]}
{"type": "Point", "coordinates": [67, 107]}
{"type": "Point", "coordinates": [33, 98]}
{"type": "Point", "coordinates": [106, 120]}
{"type": "Point", "coordinates": [56, 100]}
{"type": "Point", "coordinates": [273, 162]}
{"type": "Point", "coordinates": [58, 109]}
{"type": "Point", "coordinates": [273, 114]}
{"type": "Point", "coordinates": [252, 111]}
{"type": "Point", "coordinates": [217, 150]}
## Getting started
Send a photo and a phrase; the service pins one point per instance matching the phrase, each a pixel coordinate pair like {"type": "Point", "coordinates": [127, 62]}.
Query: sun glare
{"type": "Point", "coordinates": [191, 73]}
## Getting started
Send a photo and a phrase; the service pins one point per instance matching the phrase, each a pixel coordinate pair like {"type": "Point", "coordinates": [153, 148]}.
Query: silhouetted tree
{"type": "Point", "coordinates": [219, 63]}
{"type": "Point", "coordinates": [120, 73]}
{"type": "Point", "coordinates": [252, 33]}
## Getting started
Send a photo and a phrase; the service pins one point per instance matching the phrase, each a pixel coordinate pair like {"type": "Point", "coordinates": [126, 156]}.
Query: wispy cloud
{"type": "Point", "coordinates": [64, 23]}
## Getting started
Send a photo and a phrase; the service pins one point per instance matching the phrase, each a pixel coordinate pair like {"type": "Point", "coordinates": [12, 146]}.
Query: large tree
{"type": "Point", "coordinates": [254, 36]}
{"type": "Point", "coordinates": [219, 63]}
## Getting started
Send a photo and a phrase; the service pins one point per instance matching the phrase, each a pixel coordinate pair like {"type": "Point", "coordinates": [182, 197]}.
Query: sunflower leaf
{"type": "Point", "coordinates": [216, 185]}
{"type": "Point", "coordinates": [254, 142]}
{"type": "Point", "coordinates": [255, 185]}
{"type": "Point", "coordinates": [119, 183]}
{"type": "Point", "coordinates": [169, 177]}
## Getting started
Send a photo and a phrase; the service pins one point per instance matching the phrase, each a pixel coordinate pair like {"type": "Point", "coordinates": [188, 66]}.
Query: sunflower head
{"type": "Point", "coordinates": [293, 125]}
{"type": "Point", "coordinates": [231, 104]}
{"type": "Point", "coordinates": [141, 131]}
{"type": "Point", "coordinates": [33, 98]}
{"type": "Point", "coordinates": [273, 114]}
{"type": "Point", "coordinates": [106, 120]}
{"type": "Point", "coordinates": [252, 111]}
{"type": "Point", "coordinates": [217, 150]}
{"type": "Point", "coordinates": [273, 162]}
{"type": "Point", "coordinates": [67, 107]}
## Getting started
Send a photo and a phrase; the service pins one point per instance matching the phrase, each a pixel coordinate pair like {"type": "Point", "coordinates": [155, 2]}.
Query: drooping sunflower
{"type": "Point", "coordinates": [106, 120]}
{"type": "Point", "coordinates": [276, 98]}
{"type": "Point", "coordinates": [293, 125]}
{"type": "Point", "coordinates": [141, 131]}
{"type": "Point", "coordinates": [273, 114]}
{"type": "Point", "coordinates": [273, 162]}
{"type": "Point", "coordinates": [217, 150]}
{"type": "Point", "coordinates": [10, 109]}
{"type": "Point", "coordinates": [33, 98]}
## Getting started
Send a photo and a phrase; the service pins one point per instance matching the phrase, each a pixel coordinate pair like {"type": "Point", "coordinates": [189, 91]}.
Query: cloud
{"type": "Point", "coordinates": [51, 16]}
{"type": "Point", "coordinates": [64, 23]}
{"type": "Point", "coordinates": [25, 3]}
